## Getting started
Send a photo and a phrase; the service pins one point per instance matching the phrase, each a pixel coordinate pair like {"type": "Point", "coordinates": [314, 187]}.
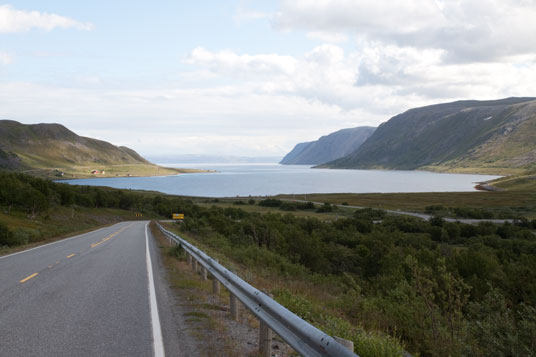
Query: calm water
{"type": "Point", "coordinates": [272, 179]}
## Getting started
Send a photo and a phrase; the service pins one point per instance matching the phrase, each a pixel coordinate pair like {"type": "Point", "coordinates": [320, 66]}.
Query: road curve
{"type": "Point", "coordinates": [88, 295]}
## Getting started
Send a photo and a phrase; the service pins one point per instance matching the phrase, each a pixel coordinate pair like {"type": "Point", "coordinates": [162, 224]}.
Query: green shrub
{"type": "Point", "coordinates": [6, 236]}
{"type": "Point", "coordinates": [177, 252]}
{"type": "Point", "coordinates": [270, 202]}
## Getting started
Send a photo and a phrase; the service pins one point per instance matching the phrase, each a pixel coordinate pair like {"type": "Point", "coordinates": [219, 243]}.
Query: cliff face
{"type": "Point", "coordinates": [329, 147]}
{"type": "Point", "coordinates": [465, 134]}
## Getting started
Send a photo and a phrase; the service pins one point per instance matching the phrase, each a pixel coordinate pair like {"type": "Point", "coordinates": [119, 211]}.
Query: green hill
{"type": "Point", "coordinates": [497, 136]}
{"type": "Point", "coordinates": [54, 150]}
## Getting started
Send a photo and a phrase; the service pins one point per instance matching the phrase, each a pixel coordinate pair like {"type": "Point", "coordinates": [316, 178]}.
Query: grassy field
{"type": "Point", "coordinates": [224, 203]}
{"type": "Point", "coordinates": [474, 170]}
{"type": "Point", "coordinates": [523, 202]}
{"type": "Point", "coordinates": [522, 182]}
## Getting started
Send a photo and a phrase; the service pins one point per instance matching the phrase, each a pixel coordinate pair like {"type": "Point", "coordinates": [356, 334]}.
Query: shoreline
{"type": "Point", "coordinates": [108, 171]}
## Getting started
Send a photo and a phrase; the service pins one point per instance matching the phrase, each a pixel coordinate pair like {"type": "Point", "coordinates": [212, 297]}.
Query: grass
{"type": "Point", "coordinates": [481, 170]}
{"type": "Point", "coordinates": [205, 317]}
{"type": "Point", "coordinates": [523, 182]}
{"type": "Point", "coordinates": [58, 223]}
{"type": "Point", "coordinates": [521, 201]}
{"type": "Point", "coordinates": [328, 216]}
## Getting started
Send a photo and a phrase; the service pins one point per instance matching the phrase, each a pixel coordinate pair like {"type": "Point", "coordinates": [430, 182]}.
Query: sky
{"type": "Point", "coordinates": [253, 78]}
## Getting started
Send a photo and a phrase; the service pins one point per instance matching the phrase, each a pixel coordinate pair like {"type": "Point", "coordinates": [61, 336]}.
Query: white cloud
{"type": "Point", "coordinates": [329, 37]}
{"type": "Point", "coordinates": [13, 20]}
{"type": "Point", "coordinates": [365, 15]}
{"type": "Point", "coordinates": [5, 58]}
{"type": "Point", "coordinates": [325, 75]}
{"type": "Point", "coordinates": [375, 79]}
{"type": "Point", "coordinates": [232, 120]}
{"type": "Point", "coordinates": [468, 31]}
{"type": "Point", "coordinates": [227, 61]}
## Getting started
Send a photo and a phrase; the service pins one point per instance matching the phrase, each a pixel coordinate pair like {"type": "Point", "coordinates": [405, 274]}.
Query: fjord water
{"type": "Point", "coordinates": [271, 179]}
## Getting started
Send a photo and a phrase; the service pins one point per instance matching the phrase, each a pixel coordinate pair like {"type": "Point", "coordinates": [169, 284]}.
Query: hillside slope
{"type": "Point", "coordinates": [43, 149]}
{"type": "Point", "coordinates": [329, 147]}
{"type": "Point", "coordinates": [478, 136]}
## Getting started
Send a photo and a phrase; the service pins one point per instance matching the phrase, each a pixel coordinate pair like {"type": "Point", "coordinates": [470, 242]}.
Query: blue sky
{"type": "Point", "coordinates": [253, 78]}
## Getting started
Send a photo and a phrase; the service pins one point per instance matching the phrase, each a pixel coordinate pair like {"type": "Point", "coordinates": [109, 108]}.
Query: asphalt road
{"type": "Point", "coordinates": [90, 295]}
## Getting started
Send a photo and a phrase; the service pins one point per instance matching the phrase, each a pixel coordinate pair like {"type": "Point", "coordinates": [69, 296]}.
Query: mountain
{"type": "Point", "coordinates": [329, 147]}
{"type": "Point", "coordinates": [478, 136]}
{"type": "Point", "coordinates": [292, 158]}
{"type": "Point", "coordinates": [52, 148]}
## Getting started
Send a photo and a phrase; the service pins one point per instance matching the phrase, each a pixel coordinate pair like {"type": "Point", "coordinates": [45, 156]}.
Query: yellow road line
{"type": "Point", "coordinates": [28, 278]}
{"type": "Point", "coordinates": [110, 236]}
{"type": "Point", "coordinates": [70, 256]}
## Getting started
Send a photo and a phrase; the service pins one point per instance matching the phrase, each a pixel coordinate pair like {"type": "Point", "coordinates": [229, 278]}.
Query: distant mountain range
{"type": "Point", "coordinates": [477, 136]}
{"type": "Point", "coordinates": [52, 148]}
{"type": "Point", "coordinates": [329, 147]}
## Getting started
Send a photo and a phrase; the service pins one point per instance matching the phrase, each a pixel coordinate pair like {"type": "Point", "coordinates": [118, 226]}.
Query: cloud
{"type": "Point", "coordinates": [326, 75]}
{"type": "Point", "coordinates": [231, 120]}
{"type": "Point", "coordinates": [12, 20]}
{"type": "Point", "coordinates": [329, 37]}
{"type": "Point", "coordinates": [467, 31]}
{"type": "Point", "coordinates": [226, 61]}
{"type": "Point", "coordinates": [375, 78]}
{"type": "Point", "coordinates": [5, 58]}
{"type": "Point", "coordinates": [398, 16]}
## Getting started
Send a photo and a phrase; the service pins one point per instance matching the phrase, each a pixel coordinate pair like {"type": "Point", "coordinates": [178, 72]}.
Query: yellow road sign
{"type": "Point", "coordinates": [178, 216]}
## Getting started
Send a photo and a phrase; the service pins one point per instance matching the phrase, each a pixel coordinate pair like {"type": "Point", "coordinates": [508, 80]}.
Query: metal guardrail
{"type": "Point", "coordinates": [303, 337]}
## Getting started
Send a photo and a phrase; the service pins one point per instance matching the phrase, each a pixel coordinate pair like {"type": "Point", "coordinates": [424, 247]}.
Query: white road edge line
{"type": "Point", "coordinates": [58, 241]}
{"type": "Point", "coordinates": [158, 344]}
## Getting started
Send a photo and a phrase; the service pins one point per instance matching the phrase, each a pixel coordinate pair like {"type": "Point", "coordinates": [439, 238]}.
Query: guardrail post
{"type": "Point", "coordinates": [265, 338]}
{"type": "Point", "coordinates": [346, 343]}
{"type": "Point", "coordinates": [189, 258]}
{"type": "Point", "coordinates": [233, 302]}
{"type": "Point", "coordinates": [194, 264]}
{"type": "Point", "coordinates": [215, 284]}
{"type": "Point", "coordinates": [204, 273]}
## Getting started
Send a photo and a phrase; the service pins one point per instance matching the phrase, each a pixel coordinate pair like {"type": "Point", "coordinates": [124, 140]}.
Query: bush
{"type": "Point", "coordinates": [270, 202]}
{"type": "Point", "coordinates": [326, 207]}
{"type": "Point", "coordinates": [6, 236]}
{"type": "Point", "coordinates": [177, 252]}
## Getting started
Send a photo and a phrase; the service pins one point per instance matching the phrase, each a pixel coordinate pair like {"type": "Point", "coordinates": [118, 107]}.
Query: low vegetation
{"type": "Point", "coordinates": [511, 203]}
{"type": "Point", "coordinates": [434, 288]}
{"type": "Point", "coordinates": [34, 209]}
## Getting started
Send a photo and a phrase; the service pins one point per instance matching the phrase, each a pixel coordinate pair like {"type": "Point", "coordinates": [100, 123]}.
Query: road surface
{"type": "Point", "coordinates": [90, 295]}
